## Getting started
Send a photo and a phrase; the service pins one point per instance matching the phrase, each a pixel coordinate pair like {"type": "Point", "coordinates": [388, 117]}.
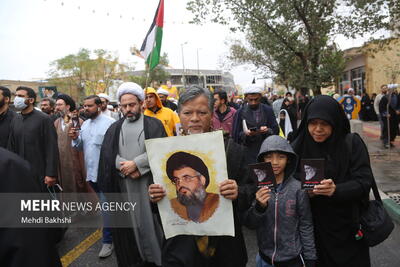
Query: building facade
{"type": "Point", "coordinates": [212, 79]}
{"type": "Point", "coordinates": [370, 66]}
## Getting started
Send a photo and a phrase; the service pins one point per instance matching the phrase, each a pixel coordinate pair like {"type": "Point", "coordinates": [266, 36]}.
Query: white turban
{"type": "Point", "coordinates": [105, 96]}
{"type": "Point", "coordinates": [130, 88]}
{"type": "Point", "coordinates": [253, 89]}
{"type": "Point", "coordinates": [162, 91]}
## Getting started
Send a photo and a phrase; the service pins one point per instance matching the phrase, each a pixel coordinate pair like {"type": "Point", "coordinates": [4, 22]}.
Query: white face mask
{"type": "Point", "coordinates": [19, 103]}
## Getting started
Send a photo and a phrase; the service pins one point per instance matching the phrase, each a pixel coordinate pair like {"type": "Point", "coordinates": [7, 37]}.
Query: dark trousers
{"type": "Point", "coordinates": [107, 236]}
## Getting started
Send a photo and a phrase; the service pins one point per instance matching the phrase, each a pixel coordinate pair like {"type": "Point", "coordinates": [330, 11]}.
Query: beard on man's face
{"type": "Point", "coordinates": [195, 198]}
{"type": "Point", "coordinates": [131, 116]}
{"type": "Point", "coordinates": [254, 106]}
{"type": "Point", "coordinates": [91, 115]}
{"type": "Point", "coordinates": [2, 102]}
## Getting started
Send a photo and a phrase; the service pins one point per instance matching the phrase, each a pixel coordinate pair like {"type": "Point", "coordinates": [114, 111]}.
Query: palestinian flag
{"type": "Point", "coordinates": [151, 47]}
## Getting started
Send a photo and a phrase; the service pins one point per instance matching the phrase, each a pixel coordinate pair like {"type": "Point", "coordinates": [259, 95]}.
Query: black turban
{"type": "Point", "coordinates": [181, 159]}
{"type": "Point", "coordinates": [68, 101]}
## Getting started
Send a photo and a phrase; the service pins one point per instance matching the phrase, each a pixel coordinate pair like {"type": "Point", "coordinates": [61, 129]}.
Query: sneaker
{"type": "Point", "coordinates": [386, 146]}
{"type": "Point", "coordinates": [106, 250]}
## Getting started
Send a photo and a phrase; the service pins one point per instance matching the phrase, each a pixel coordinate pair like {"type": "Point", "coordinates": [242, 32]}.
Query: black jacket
{"type": "Point", "coordinates": [252, 144]}
{"type": "Point", "coordinates": [34, 138]}
{"type": "Point", "coordinates": [182, 250]}
{"type": "Point", "coordinates": [23, 246]}
{"type": "Point", "coordinates": [5, 124]}
{"type": "Point", "coordinates": [334, 217]}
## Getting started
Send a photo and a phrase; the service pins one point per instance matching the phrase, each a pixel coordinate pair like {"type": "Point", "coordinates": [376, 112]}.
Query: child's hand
{"type": "Point", "coordinates": [263, 195]}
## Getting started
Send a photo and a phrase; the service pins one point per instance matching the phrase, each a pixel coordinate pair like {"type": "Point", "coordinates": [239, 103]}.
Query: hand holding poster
{"type": "Point", "coordinates": [312, 172]}
{"type": "Point", "coordinates": [190, 169]}
{"type": "Point", "coordinates": [264, 175]}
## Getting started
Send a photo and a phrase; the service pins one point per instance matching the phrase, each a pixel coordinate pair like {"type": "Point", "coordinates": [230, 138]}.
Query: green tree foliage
{"type": "Point", "coordinates": [294, 39]}
{"type": "Point", "coordinates": [87, 72]}
{"type": "Point", "coordinates": [158, 74]}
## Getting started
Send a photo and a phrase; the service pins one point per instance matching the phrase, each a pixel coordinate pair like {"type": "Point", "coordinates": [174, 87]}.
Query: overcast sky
{"type": "Point", "coordinates": [35, 32]}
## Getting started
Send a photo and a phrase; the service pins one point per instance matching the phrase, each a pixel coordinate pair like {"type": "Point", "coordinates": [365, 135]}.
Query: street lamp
{"type": "Point", "coordinates": [183, 64]}
{"type": "Point", "coordinates": [198, 68]}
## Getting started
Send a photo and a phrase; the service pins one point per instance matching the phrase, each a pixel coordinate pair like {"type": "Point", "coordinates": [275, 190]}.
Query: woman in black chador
{"type": "Point", "coordinates": [324, 133]}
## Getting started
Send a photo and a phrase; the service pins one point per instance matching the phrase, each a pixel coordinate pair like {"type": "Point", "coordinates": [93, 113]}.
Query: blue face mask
{"type": "Point", "coordinates": [19, 103]}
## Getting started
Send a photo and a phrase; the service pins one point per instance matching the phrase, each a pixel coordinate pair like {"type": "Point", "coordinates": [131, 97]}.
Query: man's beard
{"type": "Point", "coordinates": [2, 103]}
{"type": "Point", "coordinates": [91, 115]}
{"type": "Point", "coordinates": [254, 107]}
{"type": "Point", "coordinates": [60, 113]}
{"type": "Point", "coordinates": [135, 116]}
{"type": "Point", "coordinates": [196, 198]}
{"type": "Point", "coordinates": [47, 111]}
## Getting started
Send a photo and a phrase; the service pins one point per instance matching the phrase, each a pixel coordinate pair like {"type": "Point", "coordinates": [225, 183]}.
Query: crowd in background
{"type": "Point", "coordinates": [98, 147]}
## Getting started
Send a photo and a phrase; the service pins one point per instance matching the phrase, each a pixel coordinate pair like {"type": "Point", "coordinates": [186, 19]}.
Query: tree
{"type": "Point", "coordinates": [294, 39]}
{"type": "Point", "coordinates": [87, 75]}
{"type": "Point", "coordinates": [156, 75]}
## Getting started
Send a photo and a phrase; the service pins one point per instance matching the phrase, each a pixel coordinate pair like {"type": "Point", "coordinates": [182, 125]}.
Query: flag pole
{"type": "Point", "coordinates": [148, 70]}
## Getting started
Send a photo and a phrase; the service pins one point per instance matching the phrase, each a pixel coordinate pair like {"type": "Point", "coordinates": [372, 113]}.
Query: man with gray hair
{"type": "Point", "coordinates": [124, 167]}
{"type": "Point", "coordinates": [195, 109]}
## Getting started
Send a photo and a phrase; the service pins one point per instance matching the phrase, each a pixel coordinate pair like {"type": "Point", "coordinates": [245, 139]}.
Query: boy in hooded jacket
{"type": "Point", "coordinates": [282, 217]}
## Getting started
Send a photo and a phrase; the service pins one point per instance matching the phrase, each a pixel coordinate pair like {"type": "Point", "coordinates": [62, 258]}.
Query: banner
{"type": "Point", "coordinates": [190, 169]}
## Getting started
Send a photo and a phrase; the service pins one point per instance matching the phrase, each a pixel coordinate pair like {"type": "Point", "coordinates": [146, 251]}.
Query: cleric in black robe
{"type": "Point", "coordinates": [6, 115]}
{"type": "Point", "coordinates": [23, 246]}
{"type": "Point", "coordinates": [348, 180]}
{"type": "Point", "coordinates": [34, 138]}
{"type": "Point", "coordinates": [123, 142]}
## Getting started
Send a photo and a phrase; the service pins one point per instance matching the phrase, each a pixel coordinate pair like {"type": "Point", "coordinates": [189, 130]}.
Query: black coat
{"type": "Point", "coordinates": [5, 126]}
{"type": "Point", "coordinates": [335, 217]}
{"type": "Point", "coordinates": [252, 144]}
{"type": "Point", "coordinates": [182, 250]}
{"type": "Point", "coordinates": [108, 181]}
{"type": "Point", "coordinates": [23, 246]}
{"type": "Point", "coordinates": [34, 138]}
{"type": "Point", "coordinates": [390, 125]}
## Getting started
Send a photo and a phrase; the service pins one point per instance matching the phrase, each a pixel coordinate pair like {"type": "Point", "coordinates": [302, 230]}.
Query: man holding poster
{"type": "Point", "coordinates": [195, 109]}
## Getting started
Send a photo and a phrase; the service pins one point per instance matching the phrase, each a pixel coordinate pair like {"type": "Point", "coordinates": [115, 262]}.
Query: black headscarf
{"type": "Point", "coordinates": [334, 149]}
{"type": "Point", "coordinates": [183, 159]}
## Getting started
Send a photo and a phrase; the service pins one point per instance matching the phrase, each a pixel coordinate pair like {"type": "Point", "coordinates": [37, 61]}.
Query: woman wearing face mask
{"type": "Point", "coordinates": [325, 133]}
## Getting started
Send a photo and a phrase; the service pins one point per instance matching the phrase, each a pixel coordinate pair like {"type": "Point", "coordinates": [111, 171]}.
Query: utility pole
{"type": "Point", "coordinates": [183, 65]}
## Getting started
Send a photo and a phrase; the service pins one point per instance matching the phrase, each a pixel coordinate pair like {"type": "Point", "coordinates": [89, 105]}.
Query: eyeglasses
{"type": "Point", "coordinates": [186, 178]}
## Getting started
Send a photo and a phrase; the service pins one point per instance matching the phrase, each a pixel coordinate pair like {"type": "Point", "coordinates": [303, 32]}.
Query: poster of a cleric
{"type": "Point", "coordinates": [190, 169]}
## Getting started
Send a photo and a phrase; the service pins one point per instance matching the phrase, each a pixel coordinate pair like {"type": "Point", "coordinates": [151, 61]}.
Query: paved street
{"type": "Point", "coordinates": [81, 246]}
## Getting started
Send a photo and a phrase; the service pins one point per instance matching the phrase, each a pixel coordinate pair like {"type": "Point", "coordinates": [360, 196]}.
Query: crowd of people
{"type": "Point", "coordinates": [99, 149]}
